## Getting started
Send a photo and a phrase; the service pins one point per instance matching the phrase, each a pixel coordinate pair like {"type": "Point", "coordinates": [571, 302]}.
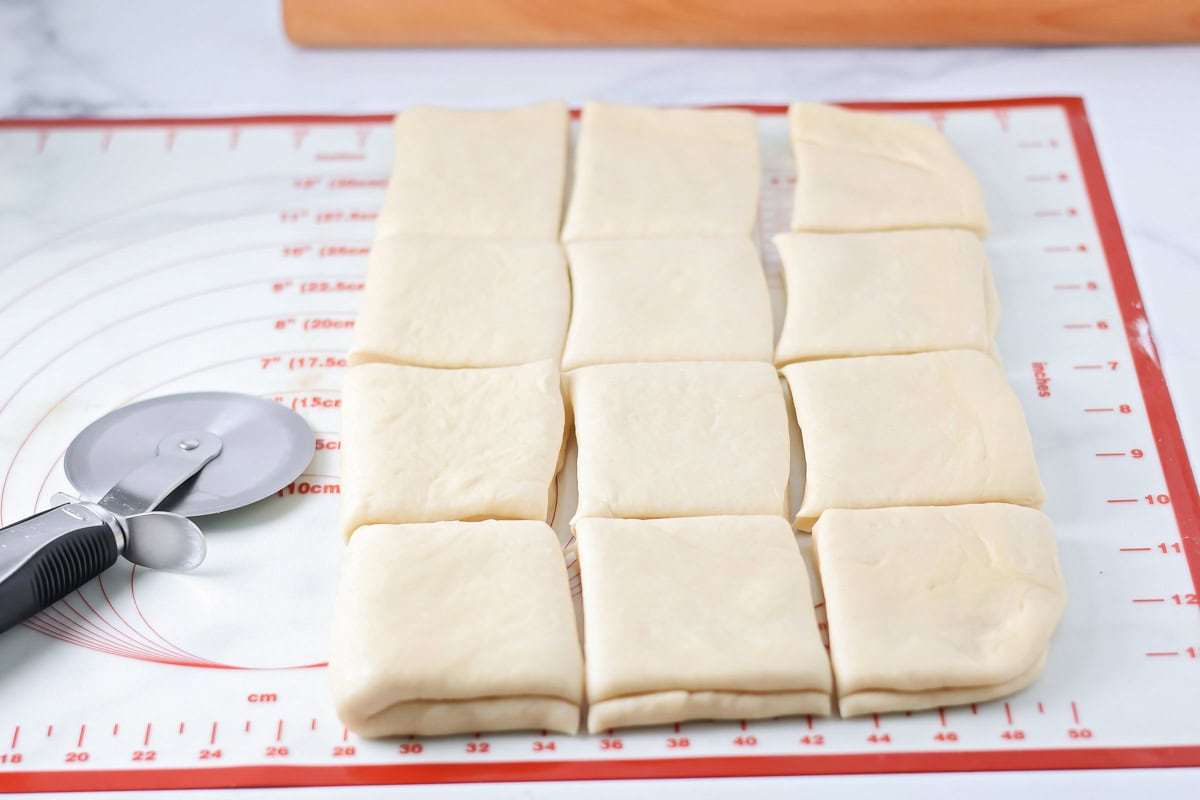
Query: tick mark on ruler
{"type": "Point", "coordinates": [279, 731]}
{"type": "Point", "coordinates": [1097, 410]}
{"type": "Point", "coordinates": [1008, 714]}
{"type": "Point", "coordinates": [146, 738]}
{"type": "Point", "coordinates": [49, 731]}
{"type": "Point", "coordinates": [1088, 366]}
{"type": "Point", "coordinates": [212, 736]}
{"type": "Point", "coordinates": [82, 731]}
{"type": "Point", "coordinates": [116, 727]}
{"type": "Point", "coordinates": [1124, 500]}
{"type": "Point", "coordinates": [1163, 653]}
{"type": "Point", "coordinates": [181, 729]}
{"type": "Point", "coordinates": [1149, 600]}
{"type": "Point", "coordinates": [1074, 712]}
{"type": "Point", "coordinates": [1136, 549]}
{"type": "Point", "coordinates": [1109, 455]}
{"type": "Point", "coordinates": [16, 735]}
{"type": "Point", "coordinates": [1078, 326]}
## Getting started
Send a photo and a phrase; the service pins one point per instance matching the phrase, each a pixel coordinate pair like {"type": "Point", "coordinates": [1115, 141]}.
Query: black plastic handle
{"type": "Point", "coordinates": [47, 556]}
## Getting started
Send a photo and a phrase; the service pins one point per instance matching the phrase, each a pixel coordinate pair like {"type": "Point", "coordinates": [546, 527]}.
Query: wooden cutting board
{"type": "Point", "coordinates": [549, 23]}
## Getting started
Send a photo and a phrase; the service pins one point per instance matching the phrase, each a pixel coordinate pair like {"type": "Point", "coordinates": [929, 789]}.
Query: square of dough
{"type": "Point", "coordinates": [455, 627]}
{"type": "Point", "coordinates": [937, 606]}
{"type": "Point", "coordinates": [462, 303]}
{"type": "Point", "coordinates": [701, 618]}
{"type": "Point", "coordinates": [658, 172]}
{"type": "Point", "coordinates": [682, 439]}
{"type": "Point", "coordinates": [931, 429]}
{"type": "Point", "coordinates": [667, 300]}
{"type": "Point", "coordinates": [863, 171]}
{"type": "Point", "coordinates": [426, 445]}
{"type": "Point", "coordinates": [884, 293]}
{"type": "Point", "coordinates": [479, 174]}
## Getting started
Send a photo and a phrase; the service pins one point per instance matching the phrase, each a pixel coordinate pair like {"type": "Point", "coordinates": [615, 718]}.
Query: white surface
{"type": "Point", "coordinates": [166, 258]}
{"type": "Point", "coordinates": [155, 58]}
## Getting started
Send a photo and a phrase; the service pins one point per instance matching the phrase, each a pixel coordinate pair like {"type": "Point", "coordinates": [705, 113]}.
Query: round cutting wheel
{"type": "Point", "coordinates": [264, 448]}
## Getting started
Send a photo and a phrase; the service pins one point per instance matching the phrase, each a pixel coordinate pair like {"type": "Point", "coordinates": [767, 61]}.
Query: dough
{"type": "Point", "coordinates": [653, 172]}
{"type": "Point", "coordinates": [462, 303]}
{"type": "Point", "coordinates": [861, 294]}
{"type": "Point", "coordinates": [455, 627]}
{"type": "Point", "coordinates": [863, 171]}
{"type": "Point", "coordinates": [424, 445]}
{"type": "Point", "coordinates": [937, 606]}
{"type": "Point", "coordinates": [478, 174]}
{"type": "Point", "coordinates": [680, 439]}
{"type": "Point", "coordinates": [926, 429]}
{"type": "Point", "coordinates": [701, 618]}
{"type": "Point", "coordinates": [667, 300]}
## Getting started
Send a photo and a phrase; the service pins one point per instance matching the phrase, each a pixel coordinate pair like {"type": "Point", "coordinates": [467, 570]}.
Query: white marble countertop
{"type": "Point", "coordinates": [219, 57]}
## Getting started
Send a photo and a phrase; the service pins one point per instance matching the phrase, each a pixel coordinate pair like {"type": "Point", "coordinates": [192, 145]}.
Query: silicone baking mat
{"type": "Point", "coordinates": [144, 257]}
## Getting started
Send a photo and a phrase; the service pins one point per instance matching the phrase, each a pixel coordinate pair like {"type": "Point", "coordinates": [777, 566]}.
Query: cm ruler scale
{"type": "Point", "coordinates": [149, 257]}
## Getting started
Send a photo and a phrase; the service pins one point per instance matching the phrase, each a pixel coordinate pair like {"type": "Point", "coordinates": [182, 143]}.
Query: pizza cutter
{"type": "Point", "coordinates": [141, 472]}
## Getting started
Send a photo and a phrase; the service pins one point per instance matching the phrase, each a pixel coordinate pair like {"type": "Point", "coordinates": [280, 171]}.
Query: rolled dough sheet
{"type": "Point", "coordinates": [479, 174]}
{"type": "Point", "coordinates": [667, 300]}
{"type": "Point", "coordinates": [937, 606]}
{"type": "Point", "coordinates": [425, 445]}
{"type": "Point", "coordinates": [462, 303]}
{"type": "Point", "coordinates": [653, 172]}
{"type": "Point", "coordinates": [926, 429]}
{"type": "Point", "coordinates": [455, 627]}
{"type": "Point", "coordinates": [861, 294]}
{"type": "Point", "coordinates": [680, 439]}
{"type": "Point", "coordinates": [863, 171]}
{"type": "Point", "coordinates": [701, 618]}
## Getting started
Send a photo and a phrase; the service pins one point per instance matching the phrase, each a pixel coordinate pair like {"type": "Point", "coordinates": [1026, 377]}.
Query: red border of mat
{"type": "Point", "coordinates": [1181, 484]}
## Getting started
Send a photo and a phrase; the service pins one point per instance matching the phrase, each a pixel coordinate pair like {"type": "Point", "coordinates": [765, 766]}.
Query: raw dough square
{"type": "Point", "coordinates": [462, 303]}
{"type": "Point", "coordinates": [863, 171]}
{"type": "Point", "coordinates": [937, 606]}
{"type": "Point", "coordinates": [479, 174]}
{"type": "Point", "coordinates": [701, 618]}
{"type": "Point", "coordinates": [683, 439]}
{"type": "Point", "coordinates": [926, 429]}
{"type": "Point", "coordinates": [655, 172]}
{"type": "Point", "coordinates": [862, 294]}
{"type": "Point", "coordinates": [455, 627]}
{"type": "Point", "coordinates": [426, 445]}
{"type": "Point", "coordinates": [667, 300]}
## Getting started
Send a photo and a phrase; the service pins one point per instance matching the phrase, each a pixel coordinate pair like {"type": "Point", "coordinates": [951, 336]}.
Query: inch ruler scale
{"type": "Point", "coordinates": [172, 255]}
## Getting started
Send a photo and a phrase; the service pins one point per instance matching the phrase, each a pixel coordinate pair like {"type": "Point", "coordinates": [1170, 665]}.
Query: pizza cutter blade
{"type": "Point", "coordinates": [141, 471]}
